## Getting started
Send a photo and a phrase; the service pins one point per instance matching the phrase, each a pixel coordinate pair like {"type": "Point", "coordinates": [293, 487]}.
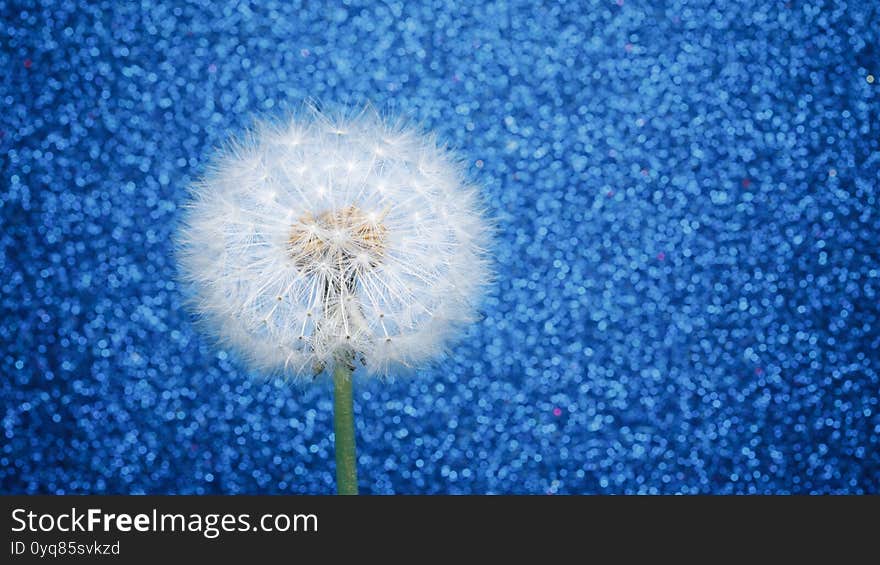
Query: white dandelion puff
{"type": "Point", "coordinates": [324, 236]}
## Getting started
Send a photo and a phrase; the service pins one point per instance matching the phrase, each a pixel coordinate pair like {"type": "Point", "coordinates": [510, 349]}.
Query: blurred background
{"type": "Point", "coordinates": [688, 268]}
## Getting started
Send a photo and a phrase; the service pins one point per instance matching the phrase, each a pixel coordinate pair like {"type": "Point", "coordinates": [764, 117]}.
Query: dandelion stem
{"type": "Point", "coordinates": [343, 424]}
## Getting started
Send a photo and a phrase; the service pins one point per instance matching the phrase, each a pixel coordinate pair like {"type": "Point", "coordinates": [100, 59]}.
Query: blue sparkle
{"type": "Point", "coordinates": [688, 270]}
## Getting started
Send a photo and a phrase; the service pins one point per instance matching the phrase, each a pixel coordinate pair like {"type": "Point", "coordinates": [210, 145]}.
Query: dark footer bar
{"type": "Point", "coordinates": [274, 529]}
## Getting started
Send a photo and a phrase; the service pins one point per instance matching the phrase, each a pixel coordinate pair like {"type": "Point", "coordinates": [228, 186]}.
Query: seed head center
{"type": "Point", "coordinates": [345, 239]}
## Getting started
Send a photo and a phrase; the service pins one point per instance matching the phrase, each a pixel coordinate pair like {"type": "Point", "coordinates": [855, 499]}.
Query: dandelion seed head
{"type": "Point", "coordinates": [325, 235]}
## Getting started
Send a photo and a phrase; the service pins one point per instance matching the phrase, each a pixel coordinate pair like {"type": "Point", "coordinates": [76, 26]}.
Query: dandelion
{"type": "Point", "coordinates": [335, 241]}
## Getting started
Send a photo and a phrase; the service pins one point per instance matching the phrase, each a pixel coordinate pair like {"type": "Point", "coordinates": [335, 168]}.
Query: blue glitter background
{"type": "Point", "coordinates": [687, 202]}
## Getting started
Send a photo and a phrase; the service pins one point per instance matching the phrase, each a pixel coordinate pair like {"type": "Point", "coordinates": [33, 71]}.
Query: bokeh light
{"type": "Point", "coordinates": [686, 196]}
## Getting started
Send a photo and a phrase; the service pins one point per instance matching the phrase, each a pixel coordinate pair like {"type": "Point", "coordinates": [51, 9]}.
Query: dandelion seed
{"type": "Point", "coordinates": [343, 234]}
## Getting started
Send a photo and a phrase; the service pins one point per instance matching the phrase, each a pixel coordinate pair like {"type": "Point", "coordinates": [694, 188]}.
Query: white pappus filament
{"type": "Point", "coordinates": [326, 235]}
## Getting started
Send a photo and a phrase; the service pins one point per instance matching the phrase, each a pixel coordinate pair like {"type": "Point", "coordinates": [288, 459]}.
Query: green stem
{"type": "Point", "coordinates": [343, 424]}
